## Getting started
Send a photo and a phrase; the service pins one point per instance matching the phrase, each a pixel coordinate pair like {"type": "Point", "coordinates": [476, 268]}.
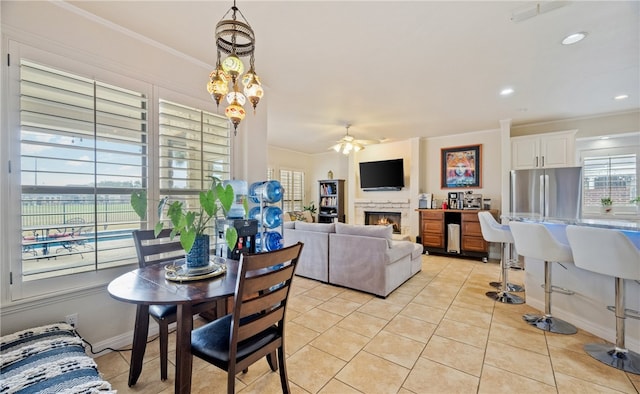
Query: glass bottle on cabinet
{"type": "Point", "coordinates": [331, 198]}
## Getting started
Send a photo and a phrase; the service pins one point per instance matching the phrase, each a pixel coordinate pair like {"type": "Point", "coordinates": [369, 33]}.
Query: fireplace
{"type": "Point", "coordinates": [384, 218]}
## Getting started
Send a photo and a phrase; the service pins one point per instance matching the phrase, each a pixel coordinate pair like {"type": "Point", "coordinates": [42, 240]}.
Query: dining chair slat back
{"type": "Point", "coordinates": [256, 326]}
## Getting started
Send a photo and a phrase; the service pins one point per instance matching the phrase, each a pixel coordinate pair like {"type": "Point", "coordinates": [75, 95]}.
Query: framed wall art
{"type": "Point", "coordinates": [460, 166]}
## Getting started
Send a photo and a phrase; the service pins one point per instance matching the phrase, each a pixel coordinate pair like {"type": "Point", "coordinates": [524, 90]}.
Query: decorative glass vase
{"type": "Point", "coordinates": [198, 256]}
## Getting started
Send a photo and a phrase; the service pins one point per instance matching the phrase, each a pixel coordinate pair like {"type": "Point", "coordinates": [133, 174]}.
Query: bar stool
{"type": "Point", "coordinates": [492, 231]}
{"type": "Point", "coordinates": [609, 252]}
{"type": "Point", "coordinates": [535, 241]}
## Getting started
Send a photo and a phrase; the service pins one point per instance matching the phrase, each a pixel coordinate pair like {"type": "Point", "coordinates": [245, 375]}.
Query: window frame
{"type": "Point", "coordinates": [617, 145]}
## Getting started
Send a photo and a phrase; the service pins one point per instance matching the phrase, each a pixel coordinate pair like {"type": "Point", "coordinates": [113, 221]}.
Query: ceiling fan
{"type": "Point", "coordinates": [348, 143]}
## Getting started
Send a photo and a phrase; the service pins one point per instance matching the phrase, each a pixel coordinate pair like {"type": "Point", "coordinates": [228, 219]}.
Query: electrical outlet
{"type": "Point", "coordinates": [72, 320]}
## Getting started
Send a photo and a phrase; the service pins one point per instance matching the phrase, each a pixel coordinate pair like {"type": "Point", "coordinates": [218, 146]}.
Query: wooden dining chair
{"type": "Point", "coordinates": [256, 326]}
{"type": "Point", "coordinates": [157, 250]}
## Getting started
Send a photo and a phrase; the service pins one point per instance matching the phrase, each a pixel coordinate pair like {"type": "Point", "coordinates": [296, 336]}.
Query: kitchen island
{"type": "Point", "coordinates": [587, 307]}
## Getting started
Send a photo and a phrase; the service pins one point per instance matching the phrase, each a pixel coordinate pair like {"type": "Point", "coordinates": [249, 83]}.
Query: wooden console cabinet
{"type": "Point", "coordinates": [435, 238]}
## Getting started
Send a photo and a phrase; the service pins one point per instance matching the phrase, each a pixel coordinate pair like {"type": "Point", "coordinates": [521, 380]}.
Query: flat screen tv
{"type": "Point", "coordinates": [382, 175]}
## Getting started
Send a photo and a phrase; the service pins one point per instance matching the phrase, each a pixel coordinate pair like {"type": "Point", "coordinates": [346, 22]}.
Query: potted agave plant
{"type": "Point", "coordinates": [190, 225]}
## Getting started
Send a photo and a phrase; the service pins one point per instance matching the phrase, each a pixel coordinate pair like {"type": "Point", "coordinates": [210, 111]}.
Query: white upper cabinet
{"type": "Point", "coordinates": [543, 150]}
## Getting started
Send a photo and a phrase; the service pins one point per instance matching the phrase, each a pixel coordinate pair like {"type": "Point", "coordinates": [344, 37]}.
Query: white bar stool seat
{"type": "Point", "coordinates": [535, 241]}
{"type": "Point", "coordinates": [612, 253]}
{"type": "Point", "coordinates": [492, 231]}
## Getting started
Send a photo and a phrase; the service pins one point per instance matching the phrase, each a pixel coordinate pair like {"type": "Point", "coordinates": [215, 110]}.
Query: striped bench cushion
{"type": "Point", "coordinates": [48, 359]}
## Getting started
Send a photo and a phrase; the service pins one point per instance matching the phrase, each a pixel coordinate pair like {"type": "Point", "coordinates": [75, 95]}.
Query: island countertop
{"type": "Point", "coordinates": [617, 224]}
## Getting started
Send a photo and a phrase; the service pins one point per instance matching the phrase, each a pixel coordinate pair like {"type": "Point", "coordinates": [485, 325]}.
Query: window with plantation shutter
{"type": "Point", "coordinates": [194, 146]}
{"type": "Point", "coordinates": [82, 150]}
{"type": "Point", "coordinates": [293, 183]}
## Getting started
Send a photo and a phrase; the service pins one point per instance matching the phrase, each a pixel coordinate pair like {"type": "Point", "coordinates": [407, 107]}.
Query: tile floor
{"type": "Point", "coordinates": [437, 333]}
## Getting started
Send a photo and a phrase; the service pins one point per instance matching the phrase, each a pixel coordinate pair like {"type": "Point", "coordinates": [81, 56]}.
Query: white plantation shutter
{"type": "Point", "coordinates": [194, 146]}
{"type": "Point", "coordinates": [82, 150]}
{"type": "Point", "coordinates": [293, 183]}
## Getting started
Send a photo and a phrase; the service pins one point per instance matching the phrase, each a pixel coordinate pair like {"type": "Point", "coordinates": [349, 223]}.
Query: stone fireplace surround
{"type": "Point", "coordinates": [400, 206]}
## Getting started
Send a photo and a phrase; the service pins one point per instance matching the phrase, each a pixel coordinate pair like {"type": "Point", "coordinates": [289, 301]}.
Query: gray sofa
{"type": "Point", "coordinates": [359, 257]}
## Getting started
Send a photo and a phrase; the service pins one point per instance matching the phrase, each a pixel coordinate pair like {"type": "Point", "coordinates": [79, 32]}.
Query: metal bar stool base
{"type": "Point", "coordinates": [504, 297]}
{"type": "Point", "coordinates": [627, 361]}
{"type": "Point", "coordinates": [512, 287]}
{"type": "Point", "coordinates": [550, 324]}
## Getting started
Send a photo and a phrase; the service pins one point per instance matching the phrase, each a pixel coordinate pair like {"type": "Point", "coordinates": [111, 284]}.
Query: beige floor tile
{"type": "Point", "coordinates": [337, 387]}
{"type": "Point", "coordinates": [483, 304]}
{"type": "Point", "coordinates": [371, 374]}
{"type": "Point", "coordinates": [472, 317]}
{"type": "Point", "coordinates": [510, 358]}
{"type": "Point", "coordinates": [324, 292]}
{"type": "Point", "coordinates": [455, 354]}
{"type": "Point", "coordinates": [435, 301]}
{"type": "Point", "coordinates": [149, 381]}
{"type": "Point", "coordinates": [402, 298]}
{"type": "Point", "coordinates": [339, 306]}
{"type": "Point", "coordinates": [463, 332]}
{"type": "Point", "coordinates": [212, 380]}
{"type": "Point", "coordinates": [342, 343]}
{"type": "Point", "coordinates": [570, 385]}
{"type": "Point", "coordinates": [311, 368]}
{"type": "Point", "coordinates": [519, 337]}
{"type": "Point", "coordinates": [574, 342]}
{"type": "Point", "coordinates": [495, 380]}
{"type": "Point", "coordinates": [427, 313]}
{"type": "Point", "coordinates": [416, 329]}
{"type": "Point", "coordinates": [297, 336]}
{"type": "Point", "coordinates": [363, 324]}
{"type": "Point", "coordinates": [381, 308]}
{"type": "Point", "coordinates": [430, 377]}
{"type": "Point", "coordinates": [303, 303]}
{"type": "Point", "coordinates": [585, 367]}
{"type": "Point", "coordinates": [268, 383]}
{"type": "Point", "coordinates": [317, 319]}
{"type": "Point", "coordinates": [355, 296]}
{"type": "Point", "coordinates": [112, 364]}
{"type": "Point", "coordinates": [395, 348]}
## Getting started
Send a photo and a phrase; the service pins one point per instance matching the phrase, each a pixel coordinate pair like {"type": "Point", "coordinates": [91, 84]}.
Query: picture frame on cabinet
{"type": "Point", "coordinates": [461, 166]}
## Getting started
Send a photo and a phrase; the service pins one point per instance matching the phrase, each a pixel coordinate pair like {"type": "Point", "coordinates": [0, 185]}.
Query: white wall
{"type": "Point", "coordinates": [491, 164]}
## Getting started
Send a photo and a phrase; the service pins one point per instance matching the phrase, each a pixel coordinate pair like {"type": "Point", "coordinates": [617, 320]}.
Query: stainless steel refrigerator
{"type": "Point", "coordinates": [553, 192]}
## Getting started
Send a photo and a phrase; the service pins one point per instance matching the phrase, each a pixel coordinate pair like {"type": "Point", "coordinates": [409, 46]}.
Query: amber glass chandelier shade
{"type": "Point", "coordinates": [235, 38]}
{"type": "Point", "coordinates": [218, 86]}
{"type": "Point", "coordinates": [252, 88]}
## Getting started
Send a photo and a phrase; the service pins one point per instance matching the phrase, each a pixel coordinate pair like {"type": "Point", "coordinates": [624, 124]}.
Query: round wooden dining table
{"type": "Point", "coordinates": [148, 286]}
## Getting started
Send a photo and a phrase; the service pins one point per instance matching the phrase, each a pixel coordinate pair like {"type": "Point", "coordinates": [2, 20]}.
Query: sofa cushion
{"type": "Point", "coordinates": [316, 227]}
{"type": "Point", "coordinates": [385, 232]}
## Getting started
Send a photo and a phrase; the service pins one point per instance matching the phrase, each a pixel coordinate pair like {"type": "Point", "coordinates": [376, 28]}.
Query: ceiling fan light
{"type": "Point", "coordinates": [337, 147]}
{"type": "Point", "coordinates": [357, 147]}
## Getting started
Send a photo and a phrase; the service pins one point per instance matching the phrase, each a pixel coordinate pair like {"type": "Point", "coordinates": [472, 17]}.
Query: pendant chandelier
{"type": "Point", "coordinates": [236, 39]}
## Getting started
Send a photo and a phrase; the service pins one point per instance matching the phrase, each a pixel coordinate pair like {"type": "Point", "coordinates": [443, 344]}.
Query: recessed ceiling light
{"type": "Point", "coordinates": [621, 97]}
{"type": "Point", "coordinates": [604, 138]}
{"type": "Point", "coordinates": [573, 38]}
{"type": "Point", "coordinates": [506, 92]}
